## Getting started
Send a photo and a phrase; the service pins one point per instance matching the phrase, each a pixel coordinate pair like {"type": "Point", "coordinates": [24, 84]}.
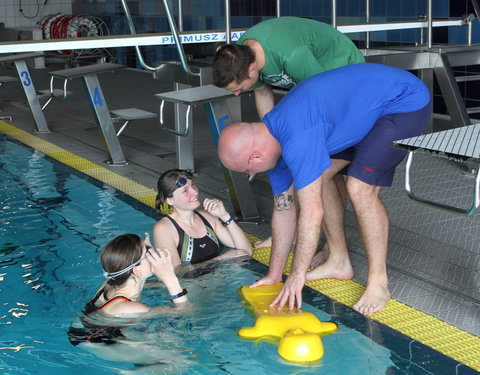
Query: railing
{"type": "Point", "coordinates": [158, 39]}
{"type": "Point", "coordinates": [173, 27]}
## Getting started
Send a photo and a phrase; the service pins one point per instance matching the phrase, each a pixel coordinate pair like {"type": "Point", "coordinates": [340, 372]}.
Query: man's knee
{"type": "Point", "coordinates": [359, 190]}
{"type": "Point", "coordinates": [335, 168]}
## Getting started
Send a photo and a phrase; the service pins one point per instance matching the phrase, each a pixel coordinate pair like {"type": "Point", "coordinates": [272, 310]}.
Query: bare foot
{"type": "Point", "coordinates": [332, 270]}
{"type": "Point", "coordinates": [267, 242]}
{"type": "Point", "coordinates": [320, 257]}
{"type": "Point", "coordinates": [373, 299]}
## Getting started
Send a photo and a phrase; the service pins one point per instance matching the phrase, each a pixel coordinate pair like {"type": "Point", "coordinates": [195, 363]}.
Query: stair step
{"type": "Point", "coordinates": [473, 110]}
{"type": "Point", "coordinates": [475, 77]}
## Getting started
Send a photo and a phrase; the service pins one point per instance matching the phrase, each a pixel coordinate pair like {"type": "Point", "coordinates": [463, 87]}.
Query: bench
{"type": "Point", "coordinates": [459, 144]}
{"type": "Point", "coordinates": [219, 116]}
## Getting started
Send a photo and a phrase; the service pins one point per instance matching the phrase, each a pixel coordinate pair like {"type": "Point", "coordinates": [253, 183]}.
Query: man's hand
{"type": "Point", "coordinates": [267, 280]}
{"type": "Point", "coordinates": [291, 292]}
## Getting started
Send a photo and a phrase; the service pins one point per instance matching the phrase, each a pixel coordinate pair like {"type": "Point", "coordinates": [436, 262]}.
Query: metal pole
{"type": "Point", "coordinates": [178, 44]}
{"type": "Point", "coordinates": [422, 30]}
{"type": "Point", "coordinates": [469, 36]}
{"type": "Point", "coordinates": [334, 13]}
{"type": "Point", "coordinates": [367, 20]}
{"type": "Point", "coordinates": [278, 8]}
{"type": "Point", "coordinates": [228, 26]}
{"type": "Point", "coordinates": [429, 19]}
{"type": "Point", "coordinates": [180, 15]}
{"type": "Point", "coordinates": [131, 27]}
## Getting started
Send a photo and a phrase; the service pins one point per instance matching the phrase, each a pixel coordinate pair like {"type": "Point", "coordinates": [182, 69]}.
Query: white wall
{"type": "Point", "coordinates": [12, 17]}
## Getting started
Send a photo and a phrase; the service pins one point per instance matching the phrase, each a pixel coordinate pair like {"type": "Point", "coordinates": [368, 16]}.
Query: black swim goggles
{"type": "Point", "coordinates": [112, 275]}
{"type": "Point", "coordinates": [181, 181]}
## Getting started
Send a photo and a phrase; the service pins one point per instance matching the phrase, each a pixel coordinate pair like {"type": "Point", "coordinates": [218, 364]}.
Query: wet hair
{"type": "Point", "coordinates": [231, 63]}
{"type": "Point", "coordinates": [117, 255]}
{"type": "Point", "coordinates": [166, 185]}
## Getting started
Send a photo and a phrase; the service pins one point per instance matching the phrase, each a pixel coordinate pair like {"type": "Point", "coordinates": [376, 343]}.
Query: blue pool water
{"type": "Point", "coordinates": [53, 223]}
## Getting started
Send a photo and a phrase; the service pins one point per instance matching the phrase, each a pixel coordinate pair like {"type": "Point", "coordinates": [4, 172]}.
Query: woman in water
{"type": "Point", "coordinates": [127, 263]}
{"type": "Point", "coordinates": [195, 232]}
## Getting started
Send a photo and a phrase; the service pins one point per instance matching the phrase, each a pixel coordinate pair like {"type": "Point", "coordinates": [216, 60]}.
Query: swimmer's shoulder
{"type": "Point", "coordinates": [163, 224]}
{"type": "Point", "coordinates": [123, 306]}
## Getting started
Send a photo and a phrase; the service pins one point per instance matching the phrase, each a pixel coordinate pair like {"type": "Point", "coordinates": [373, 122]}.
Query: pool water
{"type": "Point", "coordinates": [53, 223]}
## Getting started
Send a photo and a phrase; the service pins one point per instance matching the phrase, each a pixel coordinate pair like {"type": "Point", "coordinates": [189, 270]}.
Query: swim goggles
{"type": "Point", "coordinates": [181, 181]}
{"type": "Point", "coordinates": [112, 275]}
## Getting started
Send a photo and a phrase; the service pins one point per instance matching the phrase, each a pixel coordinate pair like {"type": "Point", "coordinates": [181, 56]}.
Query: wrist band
{"type": "Point", "coordinates": [228, 222]}
{"type": "Point", "coordinates": [181, 294]}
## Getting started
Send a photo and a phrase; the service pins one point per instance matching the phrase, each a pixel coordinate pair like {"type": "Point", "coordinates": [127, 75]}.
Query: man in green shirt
{"type": "Point", "coordinates": [281, 52]}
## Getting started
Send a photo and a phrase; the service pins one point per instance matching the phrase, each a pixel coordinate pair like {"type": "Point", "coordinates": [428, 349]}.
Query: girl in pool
{"type": "Point", "coordinates": [196, 233]}
{"type": "Point", "coordinates": [127, 263]}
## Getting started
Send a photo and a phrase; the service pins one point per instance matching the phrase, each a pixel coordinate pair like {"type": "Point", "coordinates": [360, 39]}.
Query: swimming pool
{"type": "Point", "coordinates": [54, 221]}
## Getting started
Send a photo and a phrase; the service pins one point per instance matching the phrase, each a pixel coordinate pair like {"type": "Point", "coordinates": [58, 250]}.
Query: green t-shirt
{"type": "Point", "coordinates": [298, 48]}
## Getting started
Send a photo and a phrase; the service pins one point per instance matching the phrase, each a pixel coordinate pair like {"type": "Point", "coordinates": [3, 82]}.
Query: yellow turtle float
{"type": "Point", "coordinates": [299, 332]}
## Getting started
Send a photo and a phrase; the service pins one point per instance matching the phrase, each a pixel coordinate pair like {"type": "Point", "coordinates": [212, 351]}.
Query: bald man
{"type": "Point", "coordinates": [306, 140]}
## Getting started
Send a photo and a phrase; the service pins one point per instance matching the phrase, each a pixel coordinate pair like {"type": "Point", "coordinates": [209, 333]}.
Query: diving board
{"type": "Point", "coordinates": [459, 144]}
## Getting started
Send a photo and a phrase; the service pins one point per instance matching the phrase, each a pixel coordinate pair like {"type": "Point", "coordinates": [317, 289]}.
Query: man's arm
{"type": "Point", "coordinates": [308, 235]}
{"type": "Point", "coordinates": [264, 100]}
{"type": "Point", "coordinates": [283, 233]}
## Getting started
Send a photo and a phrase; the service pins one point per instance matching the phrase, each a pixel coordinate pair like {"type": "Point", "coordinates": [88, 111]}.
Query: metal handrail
{"type": "Point", "coordinates": [334, 13]}
{"type": "Point", "coordinates": [367, 20]}
{"type": "Point", "coordinates": [457, 210]}
{"type": "Point", "coordinates": [228, 25]}
{"type": "Point", "coordinates": [173, 27]}
{"type": "Point", "coordinates": [429, 20]}
{"type": "Point", "coordinates": [171, 131]}
{"type": "Point", "coordinates": [178, 44]}
{"type": "Point", "coordinates": [180, 15]}
{"type": "Point", "coordinates": [131, 27]}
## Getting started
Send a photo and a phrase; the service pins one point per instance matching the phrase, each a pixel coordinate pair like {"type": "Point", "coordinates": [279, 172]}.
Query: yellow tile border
{"type": "Point", "coordinates": [83, 165]}
{"type": "Point", "coordinates": [426, 329]}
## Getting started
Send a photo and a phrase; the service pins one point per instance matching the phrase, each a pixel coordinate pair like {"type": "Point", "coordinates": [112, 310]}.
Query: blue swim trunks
{"type": "Point", "coordinates": [373, 159]}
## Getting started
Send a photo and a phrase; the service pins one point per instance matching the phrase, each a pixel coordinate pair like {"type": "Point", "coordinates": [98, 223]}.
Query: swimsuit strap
{"type": "Point", "coordinates": [110, 301]}
{"type": "Point", "coordinates": [181, 235]}
{"type": "Point", "coordinates": [90, 306]}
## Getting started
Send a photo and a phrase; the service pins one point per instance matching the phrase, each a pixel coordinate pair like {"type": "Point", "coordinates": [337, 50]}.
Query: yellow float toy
{"type": "Point", "coordinates": [299, 332]}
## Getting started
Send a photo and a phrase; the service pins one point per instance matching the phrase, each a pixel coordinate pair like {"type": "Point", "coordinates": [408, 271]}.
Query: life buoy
{"type": "Point", "coordinates": [60, 26]}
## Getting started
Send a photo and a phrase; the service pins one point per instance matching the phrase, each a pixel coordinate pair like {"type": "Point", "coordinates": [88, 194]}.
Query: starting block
{"type": "Point", "coordinates": [299, 332]}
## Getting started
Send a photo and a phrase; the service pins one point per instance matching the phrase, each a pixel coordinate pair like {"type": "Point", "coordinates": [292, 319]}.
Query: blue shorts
{"type": "Point", "coordinates": [373, 159]}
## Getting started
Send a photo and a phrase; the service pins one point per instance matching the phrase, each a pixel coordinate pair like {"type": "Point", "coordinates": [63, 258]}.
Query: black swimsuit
{"type": "Point", "coordinates": [92, 332]}
{"type": "Point", "coordinates": [196, 250]}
